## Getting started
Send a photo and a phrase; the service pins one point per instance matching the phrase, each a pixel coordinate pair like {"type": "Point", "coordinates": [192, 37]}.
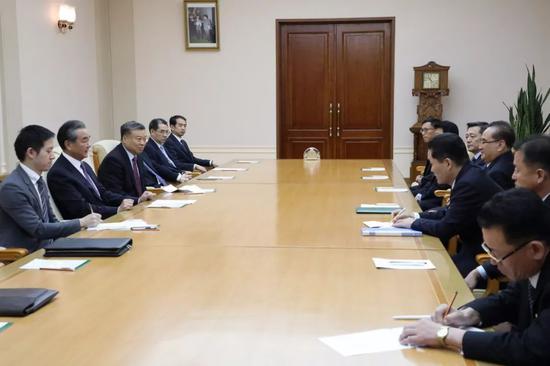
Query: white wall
{"type": "Point", "coordinates": [229, 95]}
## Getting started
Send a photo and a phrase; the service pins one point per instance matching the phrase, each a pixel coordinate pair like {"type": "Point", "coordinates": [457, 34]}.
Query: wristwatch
{"type": "Point", "coordinates": [442, 334]}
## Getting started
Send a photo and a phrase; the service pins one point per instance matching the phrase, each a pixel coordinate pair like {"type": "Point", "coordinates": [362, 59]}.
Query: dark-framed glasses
{"type": "Point", "coordinates": [489, 251]}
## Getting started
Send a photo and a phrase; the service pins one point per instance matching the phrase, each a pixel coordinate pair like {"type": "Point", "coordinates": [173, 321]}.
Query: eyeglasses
{"type": "Point", "coordinates": [489, 142]}
{"type": "Point", "coordinates": [489, 251]}
{"type": "Point", "coordinates": [426, 130]}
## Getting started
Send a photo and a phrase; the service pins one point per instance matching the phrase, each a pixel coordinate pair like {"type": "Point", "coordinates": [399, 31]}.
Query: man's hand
{"type": "Point", "coordinates": [90, 220]}
{"type": "Point", "coordinates": [421, 333]}
{"type": "Point", "coordinates": [457, 318]}
{"type": "Point", "coordinates": [472, 278]}
{"type": "Point", "coordinates": [200, 168]}
{"type": "Point", "coordinates": [146, 196]}
{"type": "Point", "coordinates": [400, 214]}
{"type": "Point", "coordinates": [125, 205]}
{"type": "Point", "coordinates": [404, 223]}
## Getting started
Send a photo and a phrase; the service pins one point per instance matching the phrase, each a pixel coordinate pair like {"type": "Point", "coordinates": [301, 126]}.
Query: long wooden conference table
{"type": "Point", "coordinates": [252, 274]}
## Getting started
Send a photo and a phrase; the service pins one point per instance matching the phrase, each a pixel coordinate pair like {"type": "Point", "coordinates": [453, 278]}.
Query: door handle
{"type": "Point", "coordinates": [330, 120]}
{"type": "Point", "coordinates": [338, 119]}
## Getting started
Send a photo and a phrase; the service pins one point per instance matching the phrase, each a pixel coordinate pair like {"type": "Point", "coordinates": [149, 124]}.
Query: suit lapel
{"type": "Point", "coordinates": [30, 187]}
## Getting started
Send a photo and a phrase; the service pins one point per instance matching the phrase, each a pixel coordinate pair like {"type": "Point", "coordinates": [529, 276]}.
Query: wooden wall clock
{"type": "Point", "coordinates": [431, 82]}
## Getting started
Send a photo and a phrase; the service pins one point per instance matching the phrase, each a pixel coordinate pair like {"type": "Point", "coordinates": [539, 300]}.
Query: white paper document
{"type": "Point", "coordinates": [391, 189]}
{"type": "Point", "coordinates": [371, 205]}
{"type": "Point", "coordinates": [248, 161]}
{"type": "Point", "coordinates": [171, 203]}
{"type": "Point", "coordinates": [403, 263]}
{"type": "Point", "coordinates": [375, 177]}
{"type": "Point", "coordinates": [193, 189]}
{"type": "Point", "coordinates": [378, 224]}
{"type": "Point", "coordinates": [411, 317]}
{"type": "Point", "coordinates": [216, 177]}
{"type": "Point", "coordinates": [169, 188]}
{"type": "Point", "coordinates": [230, 169]}
{"type": "Point", "coordinates": [373, 341]}
{"type": "Point", "coordinates": [122, 225]}
{"type": "Point", "coordinates": [373, 169]}
{"type": "Point", "coordinates": [55, 264]}
{"type": "Point", "coordinates": [4, 325]}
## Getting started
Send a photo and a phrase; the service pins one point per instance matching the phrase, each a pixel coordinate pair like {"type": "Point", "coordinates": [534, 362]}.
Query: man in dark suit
{"type": "Point", "coordinates": [496, 150]}
{"type": "Point", "coordinates": [26, 216]}
{"type": "Point", "coordinates": [124, 170]}
{"type": "Point", "coordinates": [474, 130]}
{"type": "Point", "coordinates": [161, 160]}
{"type": "Point", "coordinates": [517, 237]}
{"type": "Point", "coordinates": [471, 188]}
{"type": "Point", "coordinates": [72, 182]}
{"type": "Point", "coordinates": [532, 171]}
{"type": "Point", "coordinates": [178, 148]}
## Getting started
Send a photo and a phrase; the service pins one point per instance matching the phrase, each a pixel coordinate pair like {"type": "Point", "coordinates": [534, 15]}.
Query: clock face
{"type": "Point", "coordinates": [430, 80]}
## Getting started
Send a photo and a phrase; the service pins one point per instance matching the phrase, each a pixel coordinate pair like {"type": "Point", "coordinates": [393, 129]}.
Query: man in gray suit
{"type": "Point", "coordinates": [26, 217]}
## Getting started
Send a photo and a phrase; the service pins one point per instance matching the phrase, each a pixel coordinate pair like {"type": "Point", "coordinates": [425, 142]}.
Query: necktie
{"type": "Point", "coordinates": [166, 155]}
{"type": "Point", "coordinates": [137, 179]}
{"type": "Point", "coordinates": [89, 179]}
{"type": "Point", "coordinates": [531, 298]}
{"type": "Point", "coordinates": [43, 199]}
{"type": "Point", "coordinates": [160, 180]}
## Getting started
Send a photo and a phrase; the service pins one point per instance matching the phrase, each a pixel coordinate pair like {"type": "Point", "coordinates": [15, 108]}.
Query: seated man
{"type": "Point", "coordinates": [162, 162]}
{"type": "Point", "coordinates": [26, 217]}
{"type": "Point", "coordinates": [123, 170]}
{"type": "Point", "coordinates": [425, 184]}
{"type": "Point", "coordinates": [471, 188]}
{"type": "Point", "coordinates": [72, 182]}
{"type": "Point", "coordinates": [517, 236]}
{"type": "Point", "coordinates": [496, 150]}
{"type": "Point", "coordinates": [474, 131]}
{"type": "Point", "coordinates": [178, 148]}
{"type": "Point", "coordinates": [532, 171]}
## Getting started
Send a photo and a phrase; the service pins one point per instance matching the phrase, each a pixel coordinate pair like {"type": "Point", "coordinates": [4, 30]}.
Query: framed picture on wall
{"type": "Point", "coordinates": [201, 24]}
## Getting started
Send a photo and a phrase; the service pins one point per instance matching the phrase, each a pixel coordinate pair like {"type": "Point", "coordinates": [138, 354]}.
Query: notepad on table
{"type": "Point", "coordinates": [373, 341]}
{"type": "Point", "coordinates": [375, 177]}
{"type": "Point", "coordinates": [377, 208]}
{"type": "Point", "coordinates": [248, 161]}
{"type": "Point", "coordinates": [391, 189]}
{"type": "Point", "coordinates": [403, 263]}
{"type": "Point", "coordinates": [389, 231]}
{"type": "Point", "coordinates": [230, 169]}
{"type": "Point", "coordinates": [56, 264]}
{"type": "Point", "coordinates": [193, 189]}
{"type": "Point", "coordinates": [169, 188]}
{"type": "Point", "coordinates": [171, 203]}
{"type": "Point", "coordinates": [216, 177]}
{"type": "Point", "coordinates": [373, 169]}
{"type": "Point", "coordinates": [375, 224]}
{"type": "Point", "coordinates": [4, 326]}
{"type": "Point", "coordinates": [122, 225]}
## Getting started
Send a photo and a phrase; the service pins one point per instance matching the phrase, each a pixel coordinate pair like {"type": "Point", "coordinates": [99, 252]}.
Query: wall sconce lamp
{"type": "Point", "coordinates": [67, 17]}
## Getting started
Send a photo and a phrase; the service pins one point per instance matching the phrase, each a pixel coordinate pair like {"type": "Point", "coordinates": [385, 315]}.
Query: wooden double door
{"type": "Point", "coordinates": [335, 88]}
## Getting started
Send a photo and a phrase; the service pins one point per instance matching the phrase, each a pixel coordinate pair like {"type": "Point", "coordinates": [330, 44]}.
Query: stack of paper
{"type": "Point", "coordinates": [403, 263]}
{"type": "Point", "coordinates": [391, 189]}
{"type": "Point", "coordinates": [389, 231]}
{"type": "Point", "coordinates": [374, 341]}
{"type": "Point", "coordinates": [56, 264]}
{"type": "Point", "coordinates": [375, 177]}
{"type": "Point", "coordinates": [248, 161]}
{"type": "Point", "coordinates": [4, 326]}
{"type": "Point", "coordinates": [192, 189]}
{"type": "Point", "coordinates": [121, 226]}
{"type": "Point", "coordinates": [230, 169]}
{"type": "Point", "coordinates": [374, 169]}
{"type": "Point", "coordinates": [171, 203]}
{"type": "Point", "coordinates": [216, 177]}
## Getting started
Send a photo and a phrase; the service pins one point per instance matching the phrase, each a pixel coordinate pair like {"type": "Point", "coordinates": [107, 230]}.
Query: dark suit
{"type": "Point", "coordinates": [73, 194]}
{"type": "Point", "coordinates": [116, 173]}
{"type": "Point", "coordinates": [529, 341]}
{"type": "Point", "coordinates": [182, 153]}
{"type": "Point", "coordinates": [160, 163]}
{"type": "Point", "coordinates": [501, 169]}
{"type": "Point", "coordinates": [21, 221]}
{"type": "Point", "coordinates": [472, 188]}
{"type": "Point", "coordinates": [427, 187]}
{"type": "Point", "coordinates": [478, 161]}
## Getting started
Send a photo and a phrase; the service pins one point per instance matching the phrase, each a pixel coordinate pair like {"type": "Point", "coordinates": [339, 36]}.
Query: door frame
{"type": "Point", "coordinates": [281, 22]}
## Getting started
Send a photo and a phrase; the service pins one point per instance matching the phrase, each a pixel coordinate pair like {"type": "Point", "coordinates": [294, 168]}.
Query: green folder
{"type": "Point", "coordinates": [375, 210]}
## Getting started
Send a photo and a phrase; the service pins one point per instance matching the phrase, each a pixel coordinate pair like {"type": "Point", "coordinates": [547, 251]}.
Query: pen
{"type": "Point", "coordinates": [91, 209]}
{"type": "Point", "coordinates": [399, 213]}
{"type": "Point", "coordinates": [450, 305]}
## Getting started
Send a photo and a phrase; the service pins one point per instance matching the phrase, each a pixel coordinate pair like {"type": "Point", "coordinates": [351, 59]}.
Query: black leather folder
{"type": "Point", "coordinates": [23, 301]}
{"type": "Point", "coordinates": [88, 247]}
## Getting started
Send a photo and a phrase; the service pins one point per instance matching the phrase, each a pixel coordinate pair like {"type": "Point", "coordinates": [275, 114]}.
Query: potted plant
{"type": "Point", "coordinates": [526, 116]}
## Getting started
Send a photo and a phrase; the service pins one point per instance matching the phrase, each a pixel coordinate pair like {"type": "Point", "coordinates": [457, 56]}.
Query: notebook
{"type": "Point", "coordinates": [88, 247]}
{"type": "Point", "coordinates": [389, 231]}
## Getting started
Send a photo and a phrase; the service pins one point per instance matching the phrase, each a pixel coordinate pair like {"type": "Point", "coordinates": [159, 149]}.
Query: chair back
{"type": "Point", "coordinates": [100, 149]}
{"type": "Point", "coordinates": [8, 255]}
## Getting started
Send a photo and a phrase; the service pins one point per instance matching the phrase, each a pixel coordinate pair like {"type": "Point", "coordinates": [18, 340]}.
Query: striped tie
{"type": "Point", "coordinates": [43, 191]}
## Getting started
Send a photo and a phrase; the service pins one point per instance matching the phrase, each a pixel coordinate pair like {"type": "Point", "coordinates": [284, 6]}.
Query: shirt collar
{"type": "Point", "coordinates": [130, 155]}
{"type": "Point", "coordinates": [34, 176]}
{"type": "Point", "coordinates": [545, 197]}
{"type": "Point", "coordinates": [177, 138]}
{"type": "Point", "coordinates": [76, 163]}
{"type": "Point", "coordinates": [478, 155]}
{"type": "Point", "coordinates": [159, 145]}
{"type": "Point", "coordinates": [534, 280]}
